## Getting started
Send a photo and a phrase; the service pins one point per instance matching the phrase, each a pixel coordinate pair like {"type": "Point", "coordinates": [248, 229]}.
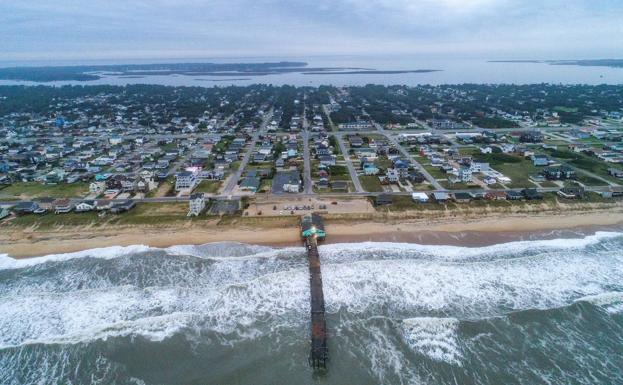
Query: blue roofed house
{"type": "Point", "coordinates": [369, 168]}
{"type": "Point", "coordinates": [250, 183]}
{"type": "Point", "coordinates": [286, 182]}
{"type": "Point", "coordinates": [327, 160]}
{"type": "Point", "coordinates": [540, 160]}
{"type": "Point", "coordinates": [26, 207]}
{"type": "Point", "coordinates": [402, 167]}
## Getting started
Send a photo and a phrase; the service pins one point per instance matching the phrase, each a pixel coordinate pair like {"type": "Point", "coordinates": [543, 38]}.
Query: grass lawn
{"type": "Point", "coordinates": [548, 183]}
{"type": "Point", "coordinates": [208, 186]}
{"type": "Point", "coordinates": [338, 170]}
{"type": "Point", "coordinates": [495, 186]}
{"type": "Point", "coordinates": [458, 186]}
{"type": "Point", "coordinates": [35, 189]}
{"type": "Point", "coordinates": [593, 141]}
{"type": "Point", "coordinates": [375, 137]}
{"type": "Point", "coordinates": [518, 172]}
{"type": "Point", "coordinates": [435, 172]}
{"type": "Point", "coordinates": [165, 188]}
{"type": "Point", "coordinates": [142, 214]}
{"type": "Point", "coordinates": [383, 163]}
{"type": "Point", "coordinates": [557, 142]}
{"type": "Point", "coordinates": [417, 157]}
{"type": "Point", "coordinates": [404, 203]}
{"type": "Point", "coordinates": [589, 181]}
{"type": "Point", "coordinates": [265, 186]}
{"type": "Point", "coordinates": [151, 213]}
{"type": "Point", "coordinates": [565, 109]}
{"type": "Point", "coordinates": [169, 147]}
{"type": "Point", "coordinates": [333, 178]}
{"type": "Point", "coordinates": [371, 183]}
{"type": "Point", "coordinates": [52, 220]}
{"type": "Point", "coordinates": [469, 151]}
{"type": "Point", "coordinates": [585, 162]}
{"type": "Point", "coordinates": [234, 166]}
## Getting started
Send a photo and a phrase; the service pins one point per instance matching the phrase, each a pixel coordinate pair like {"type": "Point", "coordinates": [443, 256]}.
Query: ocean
{"type": "Point", "coordinates": [452, 71]}
{"type": "Point", "coordinates": [526, 312]}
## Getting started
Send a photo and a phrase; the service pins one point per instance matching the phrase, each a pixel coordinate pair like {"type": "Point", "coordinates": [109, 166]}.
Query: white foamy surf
{"type": "Point", "coordinates": [433, 337]}
{"type": "Point", "coordinates": [458, 253]}
{"type": "Point", "coordinates": [612, 302]}
{"type": "Point", "coordinates": [230, 294]}
{"type": "Point", "coordinates": [6, 262]}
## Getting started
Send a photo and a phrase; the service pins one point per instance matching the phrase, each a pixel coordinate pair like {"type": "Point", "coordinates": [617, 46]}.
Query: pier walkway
{"type": "Point", "coordinates": [319, 354]}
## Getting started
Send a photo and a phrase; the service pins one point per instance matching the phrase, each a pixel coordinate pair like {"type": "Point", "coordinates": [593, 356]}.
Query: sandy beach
{"type": "Point", "coordinates": [20, 243]}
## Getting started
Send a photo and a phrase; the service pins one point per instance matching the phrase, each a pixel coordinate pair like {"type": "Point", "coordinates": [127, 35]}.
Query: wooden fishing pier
{"type": "Point", "coordinates": [312, 230]}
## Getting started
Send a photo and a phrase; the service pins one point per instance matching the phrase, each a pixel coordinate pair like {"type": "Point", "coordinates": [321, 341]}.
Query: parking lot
{"type": "Point", "coordinates": [300, 206]}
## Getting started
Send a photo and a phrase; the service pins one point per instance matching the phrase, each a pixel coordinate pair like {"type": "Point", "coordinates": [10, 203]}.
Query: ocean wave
{"type": "Point", "coordinates": [216, 251]}
{"type": "Point", "coordinates": [251, 294]}
{"type": "Point", "coordinates": [154, 329]}
{"type": "Point", "coordinates": [611, 301]}
{"type": "Point", "coordinates": [219, 250]}
{"type": "Point", "coordinates": [234, 308]}
{"type": "Point", "coordinates": [7, 262]}
{"type": "Point", "coordinates": [335, 252]}
{"type": "Point", "coordinates": [44, 364]}
{"type": "Point", "coordinates": [466, 289]}
{"type": "Point", "coordinates": [433, 337]}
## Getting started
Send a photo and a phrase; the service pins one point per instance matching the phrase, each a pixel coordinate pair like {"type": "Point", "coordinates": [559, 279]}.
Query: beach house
{"type": "Point", "coordinates": [196, 204]}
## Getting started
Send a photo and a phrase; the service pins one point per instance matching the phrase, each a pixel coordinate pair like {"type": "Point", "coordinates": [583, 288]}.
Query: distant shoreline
{"type": "Point", "coordinates": [221, 80]}
{"type": "Point", "coordinates": [611, 63]}
{"type": "Point", "coordinates": [85, 73]}
{"type": "Point", "coordinates": [371, 72]}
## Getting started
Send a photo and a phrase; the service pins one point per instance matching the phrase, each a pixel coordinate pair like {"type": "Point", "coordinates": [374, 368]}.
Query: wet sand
{"type": "Point", "coordinates": [459, 231]}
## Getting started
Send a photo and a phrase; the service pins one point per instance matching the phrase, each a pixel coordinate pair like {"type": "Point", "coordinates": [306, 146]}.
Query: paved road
{"type": "Point", "coordinates": [332, 126]}
{"type": "Point", "coordinates": [415, 163]}
{"type": "Point", "coordinates": [349, 164]}
{"type": "Point", "coordinates": [307, 180]}
{"type": "Point", "coordinates": [232, 182]}
{"type": "Point", "coordinates": [325, 110]}
{"type": "Point", "coordinates": [324, 196]}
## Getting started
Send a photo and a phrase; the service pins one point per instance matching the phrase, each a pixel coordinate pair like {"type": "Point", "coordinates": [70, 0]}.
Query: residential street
{"type": "Point", "coordinates": [406, 154]}
{"type": "Point", "coordinates": [349, 163]}
{"type": "Point", "coordinates": [232, 181]}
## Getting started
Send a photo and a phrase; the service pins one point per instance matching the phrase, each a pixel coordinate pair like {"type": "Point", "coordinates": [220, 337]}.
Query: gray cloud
{"type": "Point", "coordinates": [98, 29]}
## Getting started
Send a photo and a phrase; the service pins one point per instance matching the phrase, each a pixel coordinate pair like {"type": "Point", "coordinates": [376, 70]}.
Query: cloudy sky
{"type": "Point", "coordinates": [150, 29]}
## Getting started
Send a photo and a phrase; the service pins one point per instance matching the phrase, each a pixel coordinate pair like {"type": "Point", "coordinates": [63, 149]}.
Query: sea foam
{"type": "Point", "coordinates": [7, 262]}
{"type": "Point", "coordinates": [457, 253]}
{"type": "Point", "coordinates": [273, 290]}
{"type": "Point", "coordinates": [434, 337]}
{"type": "Point", "coordinates": [612, 302]}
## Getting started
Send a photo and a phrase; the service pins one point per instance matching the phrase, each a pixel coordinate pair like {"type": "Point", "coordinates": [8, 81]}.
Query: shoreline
{"type": "Point", "coordinates": [470, 232]}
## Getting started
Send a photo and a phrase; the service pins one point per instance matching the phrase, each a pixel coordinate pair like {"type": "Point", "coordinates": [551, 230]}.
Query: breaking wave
{"type": "Point", "coordinates": [408, 312]}
{"type": "Point", "coordinates": [434, 337]}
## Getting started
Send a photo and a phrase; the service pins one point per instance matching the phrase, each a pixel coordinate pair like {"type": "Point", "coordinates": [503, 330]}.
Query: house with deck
{"type": "Point", "coordinates": [62, 206]}
{"type": "Point", "coordinates": [196, 204]}
{"type": "Point", "coordinates": [185, 180]}
{"type": "Point", "coordinates": [85, 205]}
